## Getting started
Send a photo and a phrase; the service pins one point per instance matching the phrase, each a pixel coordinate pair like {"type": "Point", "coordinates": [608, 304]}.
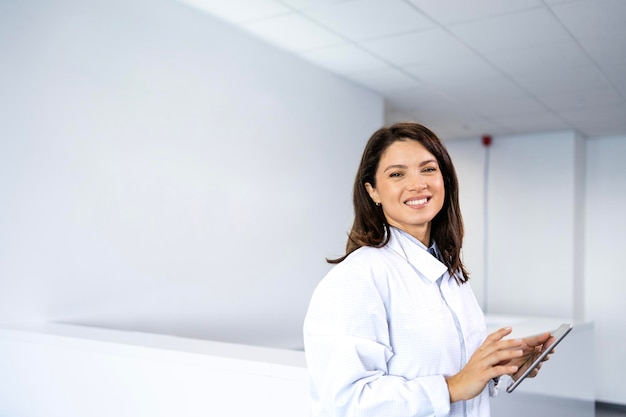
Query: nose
{"type": "Point", "coordinates": [417, 182]}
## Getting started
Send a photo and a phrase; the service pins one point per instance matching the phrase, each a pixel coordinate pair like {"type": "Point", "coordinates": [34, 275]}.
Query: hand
{"type": "Point", "coordinates": [493, 358]}
{"type": "Point", "coordinates": [532, 347]}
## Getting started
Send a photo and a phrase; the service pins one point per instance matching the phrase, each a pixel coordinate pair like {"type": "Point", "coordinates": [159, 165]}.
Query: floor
{"type": "Point", "coordinates": [608, 410]}
{"type": "Point", "coordinates": [524, 405]}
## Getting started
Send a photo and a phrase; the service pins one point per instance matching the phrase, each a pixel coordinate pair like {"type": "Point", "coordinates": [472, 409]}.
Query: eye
{"type": "Point", "coordinates": [429, 169]}
{"type": "Point", "coordinates": [395, 175]}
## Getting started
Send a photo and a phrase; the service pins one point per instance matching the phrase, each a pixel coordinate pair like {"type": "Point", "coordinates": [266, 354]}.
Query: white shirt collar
{"type": "Point", "coordinates": [416, 253]}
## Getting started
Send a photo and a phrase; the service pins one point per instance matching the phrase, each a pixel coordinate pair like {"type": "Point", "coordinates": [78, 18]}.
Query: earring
{"type": "Point", "coordinates": [378, 204]}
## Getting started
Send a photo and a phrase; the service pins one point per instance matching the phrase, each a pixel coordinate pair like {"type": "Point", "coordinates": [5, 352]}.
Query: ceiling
{"type": "Point", "coordinates": [462, 67]}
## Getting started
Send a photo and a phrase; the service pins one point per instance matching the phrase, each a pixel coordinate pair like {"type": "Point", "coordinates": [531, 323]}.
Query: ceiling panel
{"type": "Point", "coordinates": [554, 2]}
{"type": "Point", "coordinates": [293, 33]}
{"type": "Point", "coordinates": [519, 30]}
{"type": "Point", "coordinates": [531, 122]}
{"type": "Point", "coordinates": [458, 127]}
{"type": "Point", "coordinates": [605, 51]}
{"type": "Point", "coordinates": [238, 11]}
{"type": "Point", "coordinates": [507, 107]}
{"type": "Point", "coordinates": [591, 117]}
{"type": "Point", "coordinates": [581, 99]}
{"type": "Point", "coordinates": [308, 4]}
{"type": "Point", "coordinates": [417, 47]}
{"type": "Point", "coordinates": [369, 19]}
{"type": "Point", "coordinates": [463, 11]}
{"type": "Point", "coordinates": [607, 120]}
{"type": "Point", "coordinates": [458, 65]}
{"type": "Point", "coordinates": [344, 59]}
{"type": "Point", "coordinates": [385, 80]}
{"type": "Point", "coordinates": [612, 128]}
{"type": "Point", "coordinates": [420, 98]}
{"type": "Point", "coordinates": [585, 19]}
{"type": "Point", "coordinates": [555, 56]}
{"type": "Point", "coordinates": [494, 88]}
{"type": "Point", "coordinates": [569, 79]}
{"type": "Point", "coordinates": [617, 76]}
{"type": "Point", "coordinates": [467, 69]}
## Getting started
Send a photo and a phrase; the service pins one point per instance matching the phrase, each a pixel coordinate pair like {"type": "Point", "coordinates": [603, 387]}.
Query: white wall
{"type": "Point", "coordinates": [554, 233]}
{"type": "Point", "coordinates": [469, 158]}
{"type": "Point", "coordinates": [163, 172]}
{"type": "Point", "coordinates": [605, 249]}
{"type": "Point", "coordinates": [524, 251]}
{"type": "Point", "coordinates": [532, 228]}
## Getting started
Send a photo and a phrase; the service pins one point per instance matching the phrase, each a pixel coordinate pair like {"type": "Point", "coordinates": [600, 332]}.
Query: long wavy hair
{"type": "Point", "coordinates": [370, 227]}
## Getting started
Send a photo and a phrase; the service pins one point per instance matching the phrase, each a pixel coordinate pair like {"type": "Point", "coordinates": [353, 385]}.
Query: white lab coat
{"type": "Point", "coordinates": [380, 335]}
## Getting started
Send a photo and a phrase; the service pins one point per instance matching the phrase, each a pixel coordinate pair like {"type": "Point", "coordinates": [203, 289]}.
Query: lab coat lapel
{"type": "Point", "coordinates": [426, 264]}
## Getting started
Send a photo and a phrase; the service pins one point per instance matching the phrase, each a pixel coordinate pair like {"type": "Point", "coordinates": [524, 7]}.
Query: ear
{"type": "Point", "coordinates": [372, 192]}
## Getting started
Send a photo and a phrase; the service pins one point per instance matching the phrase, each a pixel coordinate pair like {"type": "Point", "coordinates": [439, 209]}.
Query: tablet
{"type": "Point", "coordinates": [558, 334]}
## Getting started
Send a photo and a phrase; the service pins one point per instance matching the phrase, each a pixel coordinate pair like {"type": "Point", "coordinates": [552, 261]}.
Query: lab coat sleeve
{"type": "Point", "coordinates": [347, 348]}
{"type": "Point", "coordinates": [495, 386]}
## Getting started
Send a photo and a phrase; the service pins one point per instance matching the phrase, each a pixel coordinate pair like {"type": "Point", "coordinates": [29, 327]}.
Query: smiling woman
{"type": "Point", "coordinates": [390, 153]}
{"type": "Point", "coordinates": [394, 329]}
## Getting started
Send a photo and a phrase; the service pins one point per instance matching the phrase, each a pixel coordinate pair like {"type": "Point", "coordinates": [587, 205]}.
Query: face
{"type": "Point", "coordinates": [409, 187]}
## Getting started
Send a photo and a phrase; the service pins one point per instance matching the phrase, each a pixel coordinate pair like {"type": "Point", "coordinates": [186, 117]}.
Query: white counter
{"type": "Point", "coordinates": [72, 371]}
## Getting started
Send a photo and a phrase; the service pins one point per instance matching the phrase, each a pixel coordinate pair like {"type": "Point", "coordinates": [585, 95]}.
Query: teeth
{"type": "Point", "coordinates": [417, 202]}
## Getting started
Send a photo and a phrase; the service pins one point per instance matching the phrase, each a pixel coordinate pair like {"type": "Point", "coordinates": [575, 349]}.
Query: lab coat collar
{"type": "Point", "coordinates": [416, 254]}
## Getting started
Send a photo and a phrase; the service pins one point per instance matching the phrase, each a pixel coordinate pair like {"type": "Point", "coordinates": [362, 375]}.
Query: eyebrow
{"type": "Point", "coordinates": [394, 167]}
{"type": "Point", "coordinates": [400, 166]}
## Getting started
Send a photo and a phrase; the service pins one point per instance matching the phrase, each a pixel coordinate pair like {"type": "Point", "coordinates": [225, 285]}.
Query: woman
{"type": "Point", "coordinates": [394, 329]}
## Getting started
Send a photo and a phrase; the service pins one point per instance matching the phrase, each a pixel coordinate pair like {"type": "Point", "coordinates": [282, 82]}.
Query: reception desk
{"type": "Point", "coordinates": [50, 370]}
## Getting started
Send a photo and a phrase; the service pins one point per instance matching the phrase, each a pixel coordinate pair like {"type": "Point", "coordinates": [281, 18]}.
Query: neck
{"type": "Point", "coordinates": [423, 235]}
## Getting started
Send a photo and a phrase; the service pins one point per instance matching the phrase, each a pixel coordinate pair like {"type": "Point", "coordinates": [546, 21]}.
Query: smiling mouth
{"type": "Point", "coordinates": [417, 202]}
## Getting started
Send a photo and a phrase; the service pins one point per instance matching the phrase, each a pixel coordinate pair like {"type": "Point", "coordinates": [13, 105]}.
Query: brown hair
{"type": "Point", "coordinates": [370, 227]}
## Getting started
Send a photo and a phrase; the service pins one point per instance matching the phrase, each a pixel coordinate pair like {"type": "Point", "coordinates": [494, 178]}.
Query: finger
{"type": "Point", "coordinates": [531, 350]}
{"type": "Point", "coordinates": [504, 370]}
{"type": "Point", "coordinates": [499, 334]}
{"type": "Point", "coordinates": [537, 340]}
{"type": "Point", "coordinates": [535, 371]}
{"type": "Point", "coordinates": [510, 344]}
{"type": "Point", "coordinates": [548, 346]}
{"type": "Point", "coordinates": [486, 347]}
{"type": "Point", "coordinates": [502, 349]}
{"type": "Point", "coordinates": [502, 357]}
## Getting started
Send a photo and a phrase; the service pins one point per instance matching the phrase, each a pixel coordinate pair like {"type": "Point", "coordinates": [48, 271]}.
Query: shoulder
{"type": "Point", "coordinates": [358, 284]}
{"type": "Point", "coordinates": [364, 270]}
{"type": "Point", "coordinates": [363, 260]}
